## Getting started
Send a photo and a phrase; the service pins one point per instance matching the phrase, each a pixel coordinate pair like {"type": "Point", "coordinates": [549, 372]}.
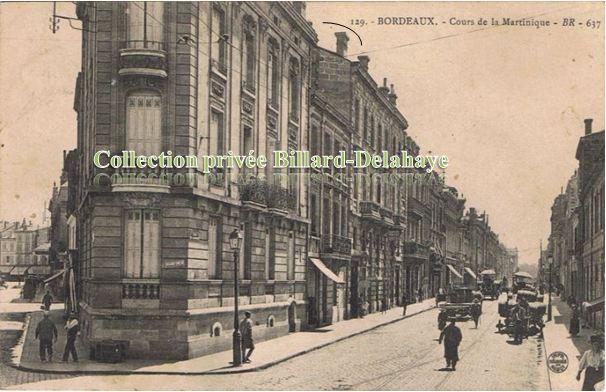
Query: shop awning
{"type": "Point", "coordinates": [55, 276]}
{"type": "Point", "coordinates": [19, 270]}
{"type": "Point", "coordinates": [326, 271]}
{"type": "Point", "coordinates": [595, 305]}
{"type": "Point", "coordinates": [39, 270]}
{"type": "Point", "coordinates": [470, 272]}
{"type": "Point", "coordinates": [454, 271]}
{"type": "Point", "coordinates": [488, 272]}
{"type": "Point", "coordinates": [5, 269]}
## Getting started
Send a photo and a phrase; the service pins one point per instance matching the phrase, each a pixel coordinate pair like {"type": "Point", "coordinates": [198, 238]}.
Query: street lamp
{"type": "Point", "coordinates": [549, 262]}
{"type": "Point", "coordinates": [235, 242]}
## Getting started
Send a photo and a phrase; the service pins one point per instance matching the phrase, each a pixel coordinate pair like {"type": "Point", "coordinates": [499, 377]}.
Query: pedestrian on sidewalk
{"type": "Point", "coordinates": [404, 304]}
{"type": "Point", "coordinates": [73, 330]}
{"type": "Point", "coordinates": [575, 321]}
{"type": "Point", "coordinates": [46, 332]}
{"type": "Point", "coordinates": [247, 338]}
{"type": "Point", "coordinates": [47, 300]}
{"type": "Point", "coordinates": [442, 319]}
{"type": "Point", "coordinates": [452, 337]}
{"type": "Point", "coordinates": [476, 311]}
{"type": "Point", "coordinates": [419, 295]}
{"type": "Point", "coordinates": [592, 362]}
{"type": "Point", "coordinates": [360, 307]}
{"type": "Point", "coordinates": [383, 305]}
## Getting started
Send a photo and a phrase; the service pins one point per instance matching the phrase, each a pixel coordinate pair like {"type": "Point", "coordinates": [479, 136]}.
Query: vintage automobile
{"type": "Point", "coordinates": [459, 301]}
{"type": "Point", "coordinates": [535, 310]}
{"type": "Point", "coordinates": [521, 280]}
{"type": "Point", "coordinates": [488, 287]}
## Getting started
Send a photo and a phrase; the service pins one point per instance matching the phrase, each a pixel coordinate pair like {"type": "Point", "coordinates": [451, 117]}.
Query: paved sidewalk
{"type": "Point", "coordinates": [267, 353]}
{"type": "Point", "coordinates": [557, 338]}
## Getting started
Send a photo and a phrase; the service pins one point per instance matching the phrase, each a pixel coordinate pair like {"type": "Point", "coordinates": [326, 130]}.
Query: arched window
{"type": "Point", "coordinates": [249, 54]}
{"type": "Point", "coordinates": [294, 88]}
{"type": "Point", "coordinates": [144, 123]}
{"type": "Point", "coordinates": [145, 27]}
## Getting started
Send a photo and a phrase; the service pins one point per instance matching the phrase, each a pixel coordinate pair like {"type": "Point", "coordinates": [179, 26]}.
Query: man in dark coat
{"type": "Point", "coordinates": [404, 304]}
{"type": "Point", "coordinates": [73, 330]}
{"type": "Point", "coordinates": [452, 338]}
{"type": "Point", "coordinates": [47, 300]}
{"type": "Point", "coordinates": [476, 311]}
{"type": "Point", "coordinates": [247, 338]}
{"type": "Point", "coordinates": [46, 332]}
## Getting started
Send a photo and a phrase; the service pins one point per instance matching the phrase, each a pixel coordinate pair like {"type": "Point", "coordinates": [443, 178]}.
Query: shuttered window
{"type": "Point", "coordinates": [144, 123]}
{"type": "Point", "coordinates": [145, 25]}
{"type": "Point", "coordinates": [214, 248]}
{"type": "Point", "coordinates": [142, 244]}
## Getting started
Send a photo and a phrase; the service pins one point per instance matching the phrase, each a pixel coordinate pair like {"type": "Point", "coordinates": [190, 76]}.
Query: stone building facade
{"type": "Point", "coordinates": [376, 206]}
{"type": "Point", "coordinates": [155, 267]}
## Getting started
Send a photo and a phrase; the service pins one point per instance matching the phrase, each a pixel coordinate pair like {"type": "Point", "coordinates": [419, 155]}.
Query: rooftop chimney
{"type": "Point", "coordinates": [342, 40]}
{"type": "Point", "coordinates": [364, 60]}
{"type": "Point", "coordinates": [588, 122]}
{"type": "Point", "coordinates": [384, 89]}
{"type": "Point", "coordinates": [392, 95]}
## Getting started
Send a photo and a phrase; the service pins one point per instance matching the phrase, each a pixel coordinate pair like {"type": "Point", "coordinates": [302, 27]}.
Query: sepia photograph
{"type": "Point", "coordinates": [288, 195]}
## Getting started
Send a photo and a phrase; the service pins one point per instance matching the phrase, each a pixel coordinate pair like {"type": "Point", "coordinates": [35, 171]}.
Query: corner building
{"type": "Point", "coordinates": [155, 265]}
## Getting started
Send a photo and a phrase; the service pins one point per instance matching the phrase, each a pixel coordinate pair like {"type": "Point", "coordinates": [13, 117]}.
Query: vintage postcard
{"type": "Point", "coordinates": [302, 195]}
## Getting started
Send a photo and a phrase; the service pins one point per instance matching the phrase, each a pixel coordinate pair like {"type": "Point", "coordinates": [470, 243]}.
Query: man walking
{"type": "Point", "coordinates": [47, 300]}
{"type": "Point", "coordinates": [404, 304]}
{"type": "Point", "coordinates": [73, 330]}
{"type": "Point", "coordinates": [46, 332]}
{"type": "Point", "coordinates": [247, 338]}
{"type": "Point", "coordinates": [476, 311]}
{"type": "Point", "coordinates": [452, 338]}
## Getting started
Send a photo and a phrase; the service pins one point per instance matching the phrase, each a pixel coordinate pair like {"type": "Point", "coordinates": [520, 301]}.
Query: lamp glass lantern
{"type": "Point", "coordinates": [235, 240]}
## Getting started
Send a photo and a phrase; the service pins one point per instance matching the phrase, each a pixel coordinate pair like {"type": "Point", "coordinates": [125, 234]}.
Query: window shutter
{"type": "Point", "coordinates": [151, 252]}
{"type": "Point", "coordinates": [132, 246]}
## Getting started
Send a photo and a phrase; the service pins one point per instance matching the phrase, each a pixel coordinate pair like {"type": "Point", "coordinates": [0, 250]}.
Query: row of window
{"type": "Point", "coordinates": [366, 125]}
{"type": "Point", "coordinates": [250, 61]}
{"type": "Point", "coordinates": [142, 248]}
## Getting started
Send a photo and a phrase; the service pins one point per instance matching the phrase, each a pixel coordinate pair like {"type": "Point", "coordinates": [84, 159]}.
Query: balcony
{"type": "Point", "coordinates": [143, 58]}
{"type": "Point", "coordinates": [336, 245]}
{"type": "Point", "coordinates": [219, 66]}
{"type": "Point", "coordinates": [370, 210]}
{"type": "Point", "coordinates": [143, 290]}
{"type": "Point", "coordinates": [399, 221]}
{"type": "Point", "coordinates": [387, 216]}
{"type": "Point", "coordinates": [260, 193]}
{"type": "Point", "coordinates": [415, 250]}
{"type": "Point", "coordinates": [253, 192]}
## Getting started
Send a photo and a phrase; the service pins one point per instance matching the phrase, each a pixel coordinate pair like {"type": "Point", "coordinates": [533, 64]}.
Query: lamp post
{"type": "Point", "coordinates": [549, 262]}
{"type": "Point", "coordinates": [235, 242]}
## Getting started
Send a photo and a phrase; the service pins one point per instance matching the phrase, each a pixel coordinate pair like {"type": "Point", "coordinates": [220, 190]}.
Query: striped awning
{"type": "Point", "coordinates": [326, 271]}
{"type": "Point", "coordinates": [55, 276]}
{"type": "Point", "coordinates": [470, 272]}
{"type": "Point", "coordinates": [454, 271]}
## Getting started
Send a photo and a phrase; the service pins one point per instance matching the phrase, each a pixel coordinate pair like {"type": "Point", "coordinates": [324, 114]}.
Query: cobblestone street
{"type": "Point", "coordinates": [404, 355]}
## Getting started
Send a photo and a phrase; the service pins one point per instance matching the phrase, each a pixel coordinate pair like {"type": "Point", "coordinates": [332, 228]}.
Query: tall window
{"type": "Point", "coordinates": [294, 88]}
{"type": "Point", "coordinates": [217, 133]}
{"type": "Point", "coordinates": [270, 261]}
{"type": "Point", "coordinates": [145, 24]}
{"type": "Point", "coordinates": [144, 123]}
{"type": "Point", "coordinates": [365, 123]}
{"type": "Point", "coordinates": [219, 45]}
{"type": "Point", "coordinates": [291, 256]}
{"type": "Point", "coordinates": [273, 74]}
{"type": "Point", "coordinates": [356, 115]}
{"type": "Point", "coordinates": [249, 56]}
{"type": "Point", "coordinates": [315, 216]}
{"type": "Point", "coordinates": [142, 244]}
{"type": "Point", "coordinates": [214, 248]}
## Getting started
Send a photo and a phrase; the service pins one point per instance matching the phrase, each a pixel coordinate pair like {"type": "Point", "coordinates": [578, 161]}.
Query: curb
{"type": "Point", "coordinates": [214, 372]}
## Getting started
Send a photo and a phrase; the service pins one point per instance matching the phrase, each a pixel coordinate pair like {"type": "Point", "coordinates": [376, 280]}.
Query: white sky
{"type": "Point", "coordinates": [505, 104]}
